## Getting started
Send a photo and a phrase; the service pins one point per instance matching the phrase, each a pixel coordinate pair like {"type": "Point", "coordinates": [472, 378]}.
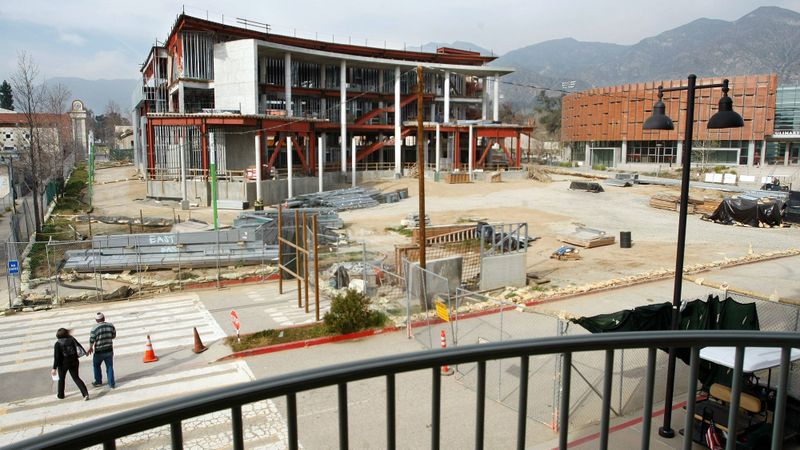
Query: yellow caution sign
{"type": "Point", "coordinates": [442, 311]}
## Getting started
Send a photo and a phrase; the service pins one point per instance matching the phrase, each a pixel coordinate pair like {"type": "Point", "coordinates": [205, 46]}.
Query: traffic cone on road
{"type": "Point", "coordinates": [149, 354]}
{"type": "Point", "coordinates": [198, 344]}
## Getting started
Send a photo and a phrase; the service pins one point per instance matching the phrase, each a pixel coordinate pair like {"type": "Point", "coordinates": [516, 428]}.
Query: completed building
{"type": "Point", "coordinates": [604, 126]}
{"type": "Point", "coordinates": [243, 94]}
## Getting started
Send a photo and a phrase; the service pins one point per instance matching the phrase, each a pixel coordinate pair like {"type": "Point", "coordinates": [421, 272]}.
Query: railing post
{"type": "Point", "coordinates": [343, 431]}
{"type": "Point", "coordinates": [522, 409]}
{"type": "Point", "coordinates": [391, 432]}
{"type": "Point", "coordinates": [480, 407]}
{"type": "Point", "coordinates": [605, 412]}
{"type": "Point", "coordinates": [691, 398]}
{"type": "Point", "coordinates": [291, 420]}
{"type": "Point", "coordinates": [647, 414]}
{"type": "Point", "coordinates": [436, 398]}
{"type": "Point", "coordinates": [237, 427]}
{"type": "Point", "coordinates": [780, 402]}
{"type": "Point", "coordinates": [736, 391]}
{"type": "Point", "coordinates": [563, 414]}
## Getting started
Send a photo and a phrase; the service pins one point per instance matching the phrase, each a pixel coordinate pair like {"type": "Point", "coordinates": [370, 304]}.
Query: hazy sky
{"type": "Point", "coordinates": [109, 39]}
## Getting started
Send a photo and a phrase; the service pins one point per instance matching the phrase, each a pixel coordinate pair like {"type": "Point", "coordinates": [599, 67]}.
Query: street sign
{"type": "Point", "coordinates": [442, 312]}
{"type": "Point", "coordinates": [235, 320]}
{"type": "Point", "coordinates": [13, 266]}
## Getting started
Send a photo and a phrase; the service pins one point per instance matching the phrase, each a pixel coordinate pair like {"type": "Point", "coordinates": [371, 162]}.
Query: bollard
{"type": "Point", "coordinates": [446, 370]}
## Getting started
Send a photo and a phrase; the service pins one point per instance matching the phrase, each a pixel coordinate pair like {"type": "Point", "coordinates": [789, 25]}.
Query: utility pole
{"type": "Point", "coordinates": [421, 166]}
{"type": "Point", "coordinates": [213, 169]}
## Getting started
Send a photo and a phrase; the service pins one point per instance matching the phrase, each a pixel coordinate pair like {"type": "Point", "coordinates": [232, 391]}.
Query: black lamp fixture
{"type": "Point", "coordinates": [725, 117]}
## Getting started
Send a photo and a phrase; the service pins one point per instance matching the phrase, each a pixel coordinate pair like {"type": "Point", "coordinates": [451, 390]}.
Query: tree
{"type": "Point", "coordinates": [56, 102]}
{"type": "Point", "coordinates": [106, 123]}
{"type": "Point", "coordinates": [30, 96]}
{"type": "Point", "coordinates": [548, 112]}
{"type": "Point", "coordinates": [6, 96]}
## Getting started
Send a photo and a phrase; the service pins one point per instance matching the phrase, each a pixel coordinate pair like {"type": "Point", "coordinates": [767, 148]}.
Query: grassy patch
{"type": "Point", "coordinates": [401, 230]}
{"type": "Point", "coordinates": [271, 337]}
{"type": "Point", "coordinates": [598, 167]}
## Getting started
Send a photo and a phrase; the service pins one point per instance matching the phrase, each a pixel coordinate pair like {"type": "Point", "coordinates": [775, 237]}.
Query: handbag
{"type": "Point", "coordinates": [79, 347]}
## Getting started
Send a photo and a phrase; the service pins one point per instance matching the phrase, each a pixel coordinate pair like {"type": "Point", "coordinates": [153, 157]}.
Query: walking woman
{"type": "Point", "coordinates": [65, 359]}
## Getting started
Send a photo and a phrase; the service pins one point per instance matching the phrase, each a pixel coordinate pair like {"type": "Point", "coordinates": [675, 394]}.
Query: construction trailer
{"type": "Point", "coordinates": [245, 98]}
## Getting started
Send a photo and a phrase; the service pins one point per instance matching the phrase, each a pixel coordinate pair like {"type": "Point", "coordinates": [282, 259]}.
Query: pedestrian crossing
{"type": "Point", "coordinates": [283, 309]}
{"type": "Point", "coordinates": [264, 427]}
{"type": "Point", "coordinates": [28, 338]}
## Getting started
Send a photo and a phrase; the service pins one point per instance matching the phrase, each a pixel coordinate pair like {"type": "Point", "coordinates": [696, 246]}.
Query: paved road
{"type": "Point", "coordinates": [29, 407]}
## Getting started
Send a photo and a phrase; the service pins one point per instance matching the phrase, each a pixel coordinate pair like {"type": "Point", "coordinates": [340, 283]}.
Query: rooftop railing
{"type": "Point", "coordinates": [106, 430]}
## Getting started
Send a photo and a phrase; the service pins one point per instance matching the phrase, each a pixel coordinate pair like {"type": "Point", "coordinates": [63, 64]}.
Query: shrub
{"type": "Point", "coordinates": [350, 313]}
{"type": "Point", "coordinates": [599, 167]}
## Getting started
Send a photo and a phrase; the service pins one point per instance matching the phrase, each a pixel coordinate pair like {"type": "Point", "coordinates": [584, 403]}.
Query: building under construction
{"type": "Point", "coordinates": [242, 97]}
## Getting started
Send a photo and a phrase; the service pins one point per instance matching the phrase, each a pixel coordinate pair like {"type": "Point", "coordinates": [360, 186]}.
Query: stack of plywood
{"type": "Point", "coordinates": [587, 238]}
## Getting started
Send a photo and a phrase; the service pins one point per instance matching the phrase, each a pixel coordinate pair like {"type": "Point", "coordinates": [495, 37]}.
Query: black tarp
{"type": "Point", "coordinates": [588, 186]}
{"type": "Point", "coordinates": [748, 212]}
{"type": "Point", "coordinates": [711, 314]}
{"type": "Point", "coordinates": [792, 211]}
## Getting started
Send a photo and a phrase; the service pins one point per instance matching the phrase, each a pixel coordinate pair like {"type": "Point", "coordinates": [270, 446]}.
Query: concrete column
{"type": "Point", "coordinates": [397, 122]}
{"type": "Point", "coordinates": [323, 103]}
{"type": "Point", "coordinates": [182, 148]}
{"type": "Point", "coordinates": [751, 153]}
{"type": "Point", "coordinates": [287, 81]}
{"type": "Point", "coordinates": [447, 96]}
{"type": "Point", "coordinates": [380, 150]}
{"type": "Point", "coordinates": [623, 157]}
{"type": "Point", "coordinates": [588, 156]}
{"type": "Point", "coordinates": [289, 162]}
{"type": "Point", "coordinates": [425, 151]}
{"type": "Point", "coordinates": [320, 161]}
{"type": "Point", "coordinates": [496, 104]}
{"type": "Point", "coordinates": [471, 154]}
{"type": "Point", "coordinates": [679, 155]}
{"type": "Point", "coordinates": [763, 153]}
{"type": "Point", "coordinates": [353, 160]}
{"type": "Point", "coordinates": [181, 99]}
{"type": "Point", "coordinates": [438, 147]}
{"type": "Point", "coordinates": [257, 141]}
{"type": "Point", "coordinates": [485, 98]}
{"type": "Point", "coordinates": [786, 153]}
{"type": "Point", "coordinates": [343, 111]}
{"type": "Point", "coordinates": [433, 111]}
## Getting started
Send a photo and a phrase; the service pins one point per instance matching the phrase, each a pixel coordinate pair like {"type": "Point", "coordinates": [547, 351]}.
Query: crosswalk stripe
{"type": "Point", "coordinates": [32, 417]}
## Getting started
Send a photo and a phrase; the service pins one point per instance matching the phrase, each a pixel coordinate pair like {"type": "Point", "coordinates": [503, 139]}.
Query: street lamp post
{"type": "Point", "coordinates": [725, 117]}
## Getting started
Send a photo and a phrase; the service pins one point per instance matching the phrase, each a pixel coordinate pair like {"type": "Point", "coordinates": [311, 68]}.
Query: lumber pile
{"type": "Point", "coordinates": [697, 205]}
{"type": "Point", "coordinates": [495, 177]}
{"type": "Point", "coordinates": [457, 178]}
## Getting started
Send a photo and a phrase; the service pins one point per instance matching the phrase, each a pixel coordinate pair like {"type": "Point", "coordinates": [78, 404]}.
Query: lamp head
{"type": "Point", "coordinates": [726, 117]}
{"type": "Point", "coordinates": [659, 120]}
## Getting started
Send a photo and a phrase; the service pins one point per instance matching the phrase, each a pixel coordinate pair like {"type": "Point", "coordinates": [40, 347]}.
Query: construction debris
{"type": "Point", "coordinates": [587, 238]}
{"type": "Point", "coordinates": [792, 212]}
{"type": "Point", "coordinates": [412, 220]}
{"type": "Point", "coordinates": [588, 186]}
{"type": "Point", "coordinates": [538, 174]}
{"type": "Point", "coordinates": [457, 178]}
{"type": "Point", "coordinates": [744, 210]}
{"type": "Point", "coordinates": [623, 179]}
{"type": "Point", "coordinates": [565, 252]}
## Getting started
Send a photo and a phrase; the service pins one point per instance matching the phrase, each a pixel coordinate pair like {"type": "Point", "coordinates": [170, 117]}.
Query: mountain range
{"type": "Point", "coordinates": [766, 40]}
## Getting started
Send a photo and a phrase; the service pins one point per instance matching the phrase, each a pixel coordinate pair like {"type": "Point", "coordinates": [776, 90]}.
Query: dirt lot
{"type": "Point", "coordinates": [548, 208]}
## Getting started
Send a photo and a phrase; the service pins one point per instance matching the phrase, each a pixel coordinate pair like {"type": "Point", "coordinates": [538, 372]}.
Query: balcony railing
{"type": "Point", "coordinates": [106, 430]}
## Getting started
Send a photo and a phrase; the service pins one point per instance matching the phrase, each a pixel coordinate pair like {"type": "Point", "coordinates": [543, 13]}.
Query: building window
{"type": "Point", "coordinates": [652, 152]}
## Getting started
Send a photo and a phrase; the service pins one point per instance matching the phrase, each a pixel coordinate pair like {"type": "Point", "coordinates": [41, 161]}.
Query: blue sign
{"type": "Point", "coordinates": [13, 266]}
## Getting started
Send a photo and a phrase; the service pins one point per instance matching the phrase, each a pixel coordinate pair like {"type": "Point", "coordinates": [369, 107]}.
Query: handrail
{"type": "Point", "coordinates": [172, 412]}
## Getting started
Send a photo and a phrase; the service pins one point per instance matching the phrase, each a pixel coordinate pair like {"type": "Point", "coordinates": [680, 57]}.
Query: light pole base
{"type": "Point", "coordinates": [668, 433]}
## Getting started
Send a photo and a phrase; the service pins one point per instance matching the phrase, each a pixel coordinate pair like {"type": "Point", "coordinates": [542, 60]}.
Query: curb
{"type": "Point", "coordinates": [307, 343]}
{"type": "Point", "coordinates": [223, 283]}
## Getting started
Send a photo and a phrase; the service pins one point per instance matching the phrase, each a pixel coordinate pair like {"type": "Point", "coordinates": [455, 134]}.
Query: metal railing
{"type": "Point", "coordinates": [106, 430]}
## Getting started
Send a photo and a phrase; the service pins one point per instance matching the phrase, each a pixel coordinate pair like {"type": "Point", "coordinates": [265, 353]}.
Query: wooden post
{"type": "Point", "coordinates": [420, 166]}
{"type": "Point", "coordinates": [316, 265]}
{"type": "Point", "coordinates": [280, 249]}
{"type": "Point", "coordinates": [90, 225]}
{"type": "Point", "coordinates": [305, 257]}
{"type": "Point", "coordinates": [297, 255]}
{"type": "Point", "coordinates": [141, 221]}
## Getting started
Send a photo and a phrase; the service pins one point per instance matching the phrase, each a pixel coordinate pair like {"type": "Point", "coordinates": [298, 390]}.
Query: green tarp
{"type": "Point", "coordinates": [711, 314]}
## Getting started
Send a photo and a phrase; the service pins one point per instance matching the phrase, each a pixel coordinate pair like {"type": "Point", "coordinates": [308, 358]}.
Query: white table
{"type": "Point", "coordinates": [755, 358]}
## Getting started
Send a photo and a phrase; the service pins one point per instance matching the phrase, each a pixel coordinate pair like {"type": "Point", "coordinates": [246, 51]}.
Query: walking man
{"type": "Point", "coordinates": [100, 342]}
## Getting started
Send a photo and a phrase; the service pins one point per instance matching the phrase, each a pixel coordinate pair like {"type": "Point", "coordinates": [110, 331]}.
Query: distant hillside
{"type": "Point", "coordinates": [96, 94]}
{"type": "Point", "coordinates": [766, 40]}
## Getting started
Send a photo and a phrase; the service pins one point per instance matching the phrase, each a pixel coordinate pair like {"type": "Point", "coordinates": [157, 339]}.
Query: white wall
{"type": "Point", "coordinates": [235, 76]}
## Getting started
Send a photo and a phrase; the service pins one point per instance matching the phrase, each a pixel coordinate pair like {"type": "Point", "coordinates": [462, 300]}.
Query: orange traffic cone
{"type": "Point", "coordinates": [149, 354]}
{"type": "Point", "coordinates": [198, 344]}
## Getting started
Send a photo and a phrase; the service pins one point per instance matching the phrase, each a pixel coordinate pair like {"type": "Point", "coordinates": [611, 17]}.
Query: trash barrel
{"type": "Point", "coordinates": [625, 239]}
